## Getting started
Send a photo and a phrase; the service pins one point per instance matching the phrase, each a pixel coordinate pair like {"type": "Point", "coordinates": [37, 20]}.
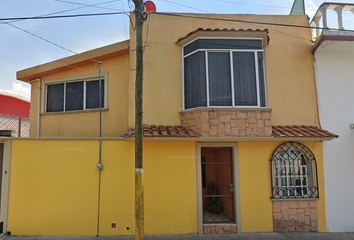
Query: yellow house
{"type": "Point", "coordinates": [232, 139]}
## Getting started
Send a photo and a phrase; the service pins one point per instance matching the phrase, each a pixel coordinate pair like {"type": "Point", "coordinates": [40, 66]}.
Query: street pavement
{"type": "Point", "coordinates": [240, 236]}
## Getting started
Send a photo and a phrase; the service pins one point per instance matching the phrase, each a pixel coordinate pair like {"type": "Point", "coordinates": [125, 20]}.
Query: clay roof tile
{"type": "Point", "coordinates": [165, 131]}
{"type": "Point", "coordinates": [300, 131]}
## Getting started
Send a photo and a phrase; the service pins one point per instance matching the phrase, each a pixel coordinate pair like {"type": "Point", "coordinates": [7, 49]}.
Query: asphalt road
{"type": "Point", "coordinates": [241, 236]}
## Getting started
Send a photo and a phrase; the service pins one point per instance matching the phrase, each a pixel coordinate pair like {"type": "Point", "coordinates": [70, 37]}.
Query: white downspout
{"type": "Point", "coordinates": [39, 107]}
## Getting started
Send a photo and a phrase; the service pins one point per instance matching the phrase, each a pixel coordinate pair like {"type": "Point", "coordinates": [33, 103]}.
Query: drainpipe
{"type": "Point", "coordinates": [39, 106]}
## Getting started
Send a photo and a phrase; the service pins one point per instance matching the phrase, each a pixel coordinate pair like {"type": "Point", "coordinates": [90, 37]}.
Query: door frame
{"type": "Point", "coordinates": [5, 183]}
{"type": "Point", "coordinates": [237, 204]}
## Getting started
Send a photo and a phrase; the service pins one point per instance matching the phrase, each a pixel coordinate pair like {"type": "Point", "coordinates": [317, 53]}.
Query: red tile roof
{"type": "Point", "coordinates": [224, 30]}
{"type": "Point", "coordinates": [164, 131]}
{"type": "Point", "coordinates": [293, 131]}
{"type": "Point", "coordinates": [300, 131]}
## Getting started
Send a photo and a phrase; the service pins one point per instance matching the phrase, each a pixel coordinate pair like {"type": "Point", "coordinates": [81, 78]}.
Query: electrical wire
{"type": "Point", "coordinates": [251, 22]}
{"type": "Point", "coordinates": [125, 26]}
{"type": "Point", "coordinates": [179, 4]}
{"type": "Point", "coordinates": [175, 6]}
{"type": "Point", "coordinates": [96, 6]}
{"type": "Point", "coordinates": [92, 5]}
{"type": "Point", "coordinates": [60, 16]}
{"type": "Point", "coordinates": [254, 4]}
{"type": "Point", "coordinates": [50, 42]}
{"type": "Point", "coordinates": [147, 32]}
{"type": "Point", "coordinates": [69, 10]}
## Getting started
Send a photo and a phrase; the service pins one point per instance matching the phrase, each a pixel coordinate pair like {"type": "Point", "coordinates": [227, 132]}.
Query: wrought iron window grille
{"type": "Point", "coordinates": [294, 172]}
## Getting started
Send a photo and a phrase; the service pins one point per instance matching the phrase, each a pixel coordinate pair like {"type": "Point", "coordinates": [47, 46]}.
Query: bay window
{"type": "Point", "coordinates": [224, 73]}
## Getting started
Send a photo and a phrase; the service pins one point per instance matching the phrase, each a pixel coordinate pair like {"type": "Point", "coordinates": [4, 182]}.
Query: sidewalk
{"type": "Point", "coordinates": [241, 236]}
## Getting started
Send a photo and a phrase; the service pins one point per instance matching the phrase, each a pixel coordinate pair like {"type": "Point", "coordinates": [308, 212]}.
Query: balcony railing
{"type": "Point", "coordinates": [321, 20]}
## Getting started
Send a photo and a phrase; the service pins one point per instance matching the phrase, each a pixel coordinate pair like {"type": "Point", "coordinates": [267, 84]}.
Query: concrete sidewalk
{"type": "Point", "coordinates": [241, 236]}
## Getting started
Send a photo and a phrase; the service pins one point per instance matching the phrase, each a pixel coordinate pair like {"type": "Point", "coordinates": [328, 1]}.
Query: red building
{"type": "Point", "coordinates": [14, 114]}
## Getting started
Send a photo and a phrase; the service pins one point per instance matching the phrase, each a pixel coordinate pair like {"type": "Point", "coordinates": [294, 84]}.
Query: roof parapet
{"type": "Point", "coordinates": [321, 14]}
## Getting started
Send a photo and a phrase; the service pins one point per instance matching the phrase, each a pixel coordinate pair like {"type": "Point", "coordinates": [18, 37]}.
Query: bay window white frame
{"type": "Point", "coordinates": [255, 51]}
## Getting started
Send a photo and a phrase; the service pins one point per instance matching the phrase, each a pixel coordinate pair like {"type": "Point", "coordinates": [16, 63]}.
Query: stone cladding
{"type": "Point", "coordinates": [237, 122]}
{"type": "Point", "coordinates": [295, 216]}
{"type": "Point", "coordinates": [220, 228]}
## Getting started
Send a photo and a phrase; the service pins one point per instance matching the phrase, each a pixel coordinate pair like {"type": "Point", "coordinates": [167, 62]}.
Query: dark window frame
{"type": "Point", "coordinates": [198, 46]}
{"type": "Point", "coordinates": [86, 104]}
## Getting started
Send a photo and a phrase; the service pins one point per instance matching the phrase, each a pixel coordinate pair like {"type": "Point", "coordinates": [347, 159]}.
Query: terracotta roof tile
{"type": "Point", "coordinates": [300, 131]}
{"type": "Point", "coordinates": [224, 30]}
{"type": "Point", "coordinates": [163, 131]}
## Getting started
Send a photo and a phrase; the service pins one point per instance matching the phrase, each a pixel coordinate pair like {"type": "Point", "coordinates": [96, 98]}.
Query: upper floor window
{"type": "Point", "coordinates": [224, 73]}
{"type": "Point", "coordinates": [73, 95]}
{"type": "Point", "coordinates": [294, 172]}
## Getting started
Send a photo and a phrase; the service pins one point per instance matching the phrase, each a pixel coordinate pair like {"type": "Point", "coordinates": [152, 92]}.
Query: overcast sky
{"type": "Point", "coordinates": [20, 50]}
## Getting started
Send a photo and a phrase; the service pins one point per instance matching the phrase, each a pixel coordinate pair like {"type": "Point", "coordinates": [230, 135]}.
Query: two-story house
{"type": "Point", "coordinates": [231, 143]}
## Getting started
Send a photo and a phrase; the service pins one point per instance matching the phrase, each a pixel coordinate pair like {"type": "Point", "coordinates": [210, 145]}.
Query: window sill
{"type": "Point", "coordinates": [74, 112]}
{"type": "Point", "coordinates": [294, 199]}
{"type": "Point", "coordinates": [234, 109]}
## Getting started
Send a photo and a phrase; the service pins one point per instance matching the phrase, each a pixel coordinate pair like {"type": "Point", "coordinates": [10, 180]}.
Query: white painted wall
{"type": "Point", "coordinates": [334, 63]}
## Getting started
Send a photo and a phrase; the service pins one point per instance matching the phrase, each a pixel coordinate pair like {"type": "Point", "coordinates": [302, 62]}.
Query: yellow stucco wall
{"type": "Point", "coordinates": [117, 188]}
{"type": "Point", "coordinates": [170, 173]}
{"type": "Point", "coordinates": [54, 188]}
{"type": "Point", "coordinates": [255, 185]}
{"type": "Point", "coordinates": [53, 185]}
{"type": "Point", "coordinates": [33, 109]}
{"type": "Point", "coordinates": [289, 70]}
{"type": "Point", "coordinates": [86, 124]}
{"type": "Point", "coordinates": [288, 61]}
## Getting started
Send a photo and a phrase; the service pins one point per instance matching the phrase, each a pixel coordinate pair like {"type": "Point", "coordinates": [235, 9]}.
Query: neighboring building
{"type": "Point", "coordinates": [14, 121]}
{"type": "Point", "coordinates": [334, 61]}
{"type": "Point", "coordinates": [232, 141]}
{"type": "Point", "coordinates": [14, 114]}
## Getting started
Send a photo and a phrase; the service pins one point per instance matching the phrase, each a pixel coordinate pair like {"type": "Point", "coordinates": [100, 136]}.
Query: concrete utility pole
{"type": "Point", "coordinates": [139, 181]}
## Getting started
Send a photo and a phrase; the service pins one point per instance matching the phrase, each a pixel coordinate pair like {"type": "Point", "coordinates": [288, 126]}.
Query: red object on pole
{"type": "Point", "coordinates": [150, 6]}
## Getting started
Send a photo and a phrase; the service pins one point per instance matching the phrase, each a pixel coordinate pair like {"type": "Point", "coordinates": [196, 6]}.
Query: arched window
{"type": "Point", "coordinates": [294, 172]}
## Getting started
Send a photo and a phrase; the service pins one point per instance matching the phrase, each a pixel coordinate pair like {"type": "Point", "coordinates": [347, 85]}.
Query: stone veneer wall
{"type": "Point", "coordinates": [220, 228]}
{"type": "Point", "coordinates": [295, 216]}
{"type": "Point", "coordinates": [241, 122]}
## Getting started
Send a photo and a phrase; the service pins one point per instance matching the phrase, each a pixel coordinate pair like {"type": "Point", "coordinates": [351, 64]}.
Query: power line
{"type": "Point", "coordinates": [254, 4]}
{"type": "Point", "coordinates": [250, 22]}
{"type": "Point", "coordinates": [178, 4]}
{"type": "Point", "coordinates": [50, 42]}
{"type": "Point", "coordinates": [174, 5]}
{"type": "Point", "coordinates": [60, 16]}
{"type": "Point", "coordinates": [92, 5]}
{"type": "Point", "coordinates": [96, 6]}
{"type": "Point", "coordinates": [69, 10]}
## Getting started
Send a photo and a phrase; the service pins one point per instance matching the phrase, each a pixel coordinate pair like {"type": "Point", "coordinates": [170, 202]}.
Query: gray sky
{"type": "Point", "coordinates": [20, 50]}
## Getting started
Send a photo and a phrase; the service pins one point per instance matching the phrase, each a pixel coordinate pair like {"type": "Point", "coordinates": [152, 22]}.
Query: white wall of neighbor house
{"type": "Point", "coordinates": [334, 65]}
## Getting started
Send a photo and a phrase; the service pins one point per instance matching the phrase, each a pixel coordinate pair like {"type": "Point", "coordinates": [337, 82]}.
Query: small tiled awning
{"type": "Point", "coordinates": [301, 132]}
{"type": "Point", "coordinates": [287, 132]}
{"type": "Point", "coordinates": [224, 32]}
{"type": "Point", "coordinates": [164, 131]}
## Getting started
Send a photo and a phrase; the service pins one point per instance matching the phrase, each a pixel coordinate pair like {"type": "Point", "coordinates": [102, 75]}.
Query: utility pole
{"type": "Point", "coordinates": [139, 180]}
